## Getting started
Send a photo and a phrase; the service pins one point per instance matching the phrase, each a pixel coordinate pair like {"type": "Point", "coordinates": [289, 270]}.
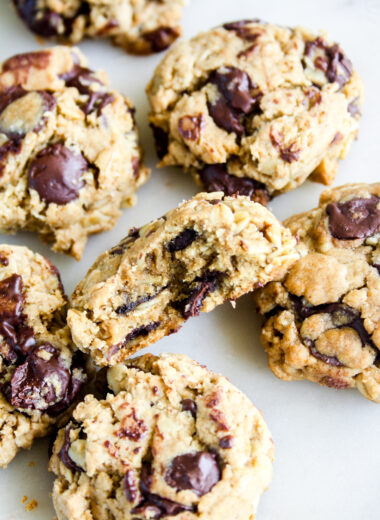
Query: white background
{"type": "Point", "coordinates": [327, 442]}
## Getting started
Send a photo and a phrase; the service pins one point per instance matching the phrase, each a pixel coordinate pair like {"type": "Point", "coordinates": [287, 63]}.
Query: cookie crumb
{"type": "Point", "coordinates": [24, 499]}
{"type": "Point", "coordinates": [31, 464]}
{"type": "Point", "coordinates": [30, 506]}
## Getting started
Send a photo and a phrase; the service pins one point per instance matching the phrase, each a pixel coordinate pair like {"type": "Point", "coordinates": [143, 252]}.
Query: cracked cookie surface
{"type": "Point", "coordinates": [254, 108]}
{"type": "Point", "coordinates": [208, 250]}
{"type": "Point", "coordinates": [40, 376]}
{"type": "Point", "coordinates": [69, 152]}
{"type": "Point", "coordinates": [322, 321]}
{"type": "Point", "coordinates": [139, 26]}
{"type": "Point", "coordinates": [172, 440]}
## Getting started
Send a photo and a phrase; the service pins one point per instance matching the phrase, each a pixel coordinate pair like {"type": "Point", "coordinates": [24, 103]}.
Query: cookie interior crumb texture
{"type": "Point", "coordinates": [170, 439]}
{"type": "Point", "coordinates": [322, 320]}
{"type": "Point", "coordinates": [209, 249]}
{"type": "Point", "coordinates": [40, 375]}
{"type": "Point", "coordinates": [255, 109]}
{"type": "Point", "coordinates": [139, 26]}
{"type": "Point", "coordinates": [69, 152]}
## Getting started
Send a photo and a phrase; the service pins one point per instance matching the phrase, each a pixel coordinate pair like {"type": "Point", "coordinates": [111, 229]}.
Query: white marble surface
{"type": "Point", "coordinates": [327, 461]}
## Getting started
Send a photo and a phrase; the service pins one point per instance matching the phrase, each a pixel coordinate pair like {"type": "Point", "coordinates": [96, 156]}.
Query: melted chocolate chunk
{"type": "Point", "coordinates": [181, 241]}
{"type": "Point", "coordinates": [152, 505]}
{"type": "Point", "coordinates": [36, 118]}
{"type": "Point", "coordinates": [55, 173]}
{"type": "Point", "coordinates": [239, 96]}
{"type": "Point", "coordinates": [144, 330]}
{"type": "Point", "coordinates": [356, 218]}
{"type": "Point", "coordinates": [188, 405]}
{"type": "Point", "coordinates": [336, 67]}
{"type": "Point", "coordinates": [241, 29]}
{"type": "Point", "coordinates": [215, 177]}
{"type": "Point", "coordinates": [64, 452]}
{"type": "Point", "coordinates": [377, 266]}
{"type": "Point", "coordinates": [130, 306]}
{"type": "Point", "coordinates": [192, 304]}
{"type": "Point", "coordinates": [82, 79]}
{"type": "Point", "coordinates": [46, 22]}
{"type": "Point", "coordinates": [329, 360]}
{"type": "Point", "coordinates": [342, 316]}
{"type": "Point", "coordinates": [161, 38]}
{"type": "Point", "coordinates": [41, 381]}
{"type": "Point", "coordinates": [11, 94]}
{"type": "Point", "coordinates": [288, 153]}
{"type": "Point", "coordinates": [19, 337]}
{"type": "Point", "coordinates": [190, 127]}
{"type": "Point", "coordinates": [78, 378]}
{"type": "Point", "coordinates": [196, 471]}
{"type": "Point", "coordinates": [161, 140]}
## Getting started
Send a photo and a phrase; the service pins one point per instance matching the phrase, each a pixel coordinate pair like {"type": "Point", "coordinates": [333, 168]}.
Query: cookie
{"type": "Point", "coordinates": [322, 320]}
{"type": "Point", "coordinates": [171, 439]}
{"type": "Point", "coordinates": [40, 376]}
{"type": "Point", "coordinates": [69, 152]}
{"type": "Point", "coordinates": [208, 250]}
{"type": "Point", "coordinates": [139, 26]}
{"type": "Point", "coordinates": [255, 109]}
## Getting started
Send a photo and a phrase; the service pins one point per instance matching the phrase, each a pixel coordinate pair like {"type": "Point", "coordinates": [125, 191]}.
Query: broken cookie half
{"type": "Point", "coordinates": [210, 249]}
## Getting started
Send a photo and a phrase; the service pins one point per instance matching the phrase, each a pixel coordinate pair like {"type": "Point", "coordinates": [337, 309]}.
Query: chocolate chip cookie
{"type": "Point", "coordinates": [255, 109]}
{"type": "Point", "coordinates": [171, 439]}
{"type": "Point", "coordinates": [139, 26]}
{"type": "Point", "coordinates": [69, 152]}
{"type": "Point", "coordinates": [210, 249]}
{"type": "Point", "coordinates": [40, 376]}
{"type": "Point", "coordinates": [322, 321]}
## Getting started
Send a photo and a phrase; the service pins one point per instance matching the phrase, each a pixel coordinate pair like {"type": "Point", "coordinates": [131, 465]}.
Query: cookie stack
{"type": "Point", "coordinates": [250, 110]}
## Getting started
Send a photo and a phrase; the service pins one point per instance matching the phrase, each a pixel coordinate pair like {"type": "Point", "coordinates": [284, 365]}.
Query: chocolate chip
{"type": "Point", "coordinates": [334, 382]}
{"type": "Point", "coordinates": [152, 505]}
{"type": "Point", "coordinates": [336, 67]}
{"type": "Point", "coordinates": [215, 177]}
{"type": "Point", "coordinates": [356, 218]}
{"type": "Point", "coordinates": [239, 96]}
{"type": "Point", "coordinates": [226, 442]}
{"type": "Point", "coordinates": [144, 330]}
{"type": "Point", "coordinates": [4, 260]}
{"type": "Point", "coordinates": [161, 38]}
{"type": "Point", "coordinates": [377, 266]}
{"type": "Point", "coordinates": [135, 167]}
{"type": "Point", "coordinates": [55, 173]}
{"type": "Point", "coordinates": [197, 471]}
{"type": "Point", "coordinates": [288, 153]}
{"type": "Point", "coordinates": [190, 127]}
{"type": "Point", "coordinates": [130, 486]}
{"type": "Point", "coordinates": [129, 306]}
{"type": "Point", "coordinates": [64, 451]}
{"type": "Point", "coordinates": [9, 147]}
{"type": "Point", "coordinates": [133, 428]}
{"type": "Point", "coordinates": [161, 140]}
{"type": "Point", "coordinates": [192, 304]}
{"type": "Point", "coordinates": [19, 337]}
{"type": "Point", "coordinates": [41, 381]}
{"type": "Point", "coordinates": [26, 112]}
{"type": "Point", "coordinates": [241, 29]}
{"type": "Point", "coordinates": [181, 241]}
{"type": "Point", "coordinates": [83, 79]}
{"type": "Point", "coordinates": [188, 405]}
